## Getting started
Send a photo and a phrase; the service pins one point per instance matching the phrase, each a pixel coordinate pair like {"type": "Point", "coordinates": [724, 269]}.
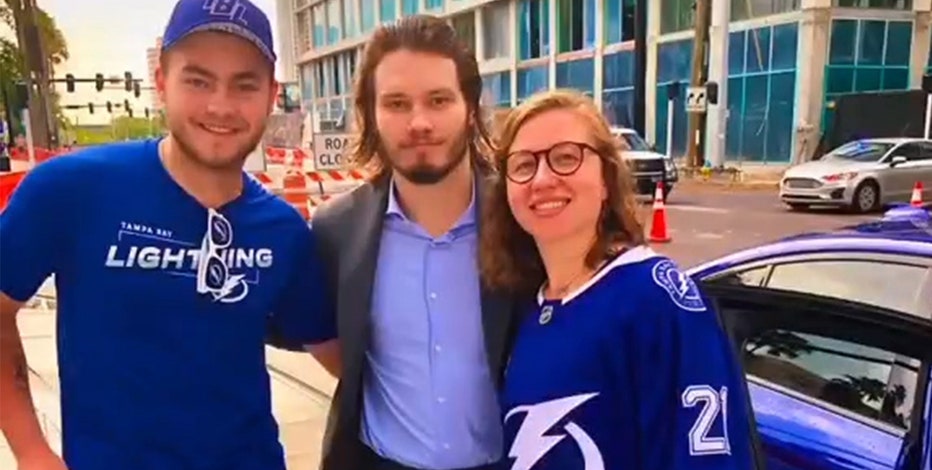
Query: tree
{"type": "Point", "coordinates": [12, 65]}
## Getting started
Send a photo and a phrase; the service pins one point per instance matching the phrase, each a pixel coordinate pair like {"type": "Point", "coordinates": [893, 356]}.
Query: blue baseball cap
{"type": "Point", "coordinates": [238, 17]}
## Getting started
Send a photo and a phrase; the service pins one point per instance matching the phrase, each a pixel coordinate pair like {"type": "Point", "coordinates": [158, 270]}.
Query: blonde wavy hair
{"type": "Point", "coordinates": [508, 257]}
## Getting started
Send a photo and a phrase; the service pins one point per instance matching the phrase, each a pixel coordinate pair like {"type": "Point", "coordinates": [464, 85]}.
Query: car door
{"type": "Point", "coordinates": [834, 384]}
{"type": "Point", "coordinates": [897, 182]}
{"type": "Point", "coordinates": [922, 166]}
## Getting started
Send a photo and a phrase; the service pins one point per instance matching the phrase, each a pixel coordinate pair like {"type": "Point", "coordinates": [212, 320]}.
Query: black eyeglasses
{"type": "Point", "coordinates": [564, 159]}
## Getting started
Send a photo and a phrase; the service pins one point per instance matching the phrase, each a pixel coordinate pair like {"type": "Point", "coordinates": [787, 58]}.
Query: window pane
{"type": "Point", "coordinates": [387, 10]}
{"type": "Point", "coordinates": [465, 26]}
{"type": "Point", "coordinates": [497, 40]}
{"type": "Point", "coordinates": [872, 35]}
{"type": "Point", "coordinates": [893, 286]}
{"type": "Point", "coordinates": [784, 47]}
{"type": "Point", "coordinates": [867, 80]}
{"type": "Point", "coordinates": [736, 52]}
{"type": "Point", "coordinates": [758, 50]}
{"type": "Point", "coordinates": [578, 74]}
{"type": "Point", "coordinates": [868, 381]}
{"type": "Point", "coordinates": [899, 42]}
{"type": "Point", "coordinates": [367, 16]}
{"type": "Point", "coordinates": [618, 70]}
{"type": "Point", "coordinates": [409, 7]}
{"type": "Point", "coordinates": [839, 79]}
{"type": "Point", "coordinates": [896, 79]}
{"type": "Point", "coordinates": [751, 277]}
{"type": "Point", "coordinates": [841, 50]}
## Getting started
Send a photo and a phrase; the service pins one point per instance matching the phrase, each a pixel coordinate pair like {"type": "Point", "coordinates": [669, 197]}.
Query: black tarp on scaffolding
{"type": "Point", "coordinates": [871, 115]}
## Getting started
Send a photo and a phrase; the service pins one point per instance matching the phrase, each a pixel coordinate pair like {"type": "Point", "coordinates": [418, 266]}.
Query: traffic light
{"type": "Point", "coordinates": [99, 82]}
{"type": "Point", "coordinates": [20, 98]}
{"type": "Point", "coordinates": [69, 83]}
{"type": "Point", "coordinates": [136, 89]}
{"type": "Point", "coordinates": [90, 107]}
{"type": "Point", "coordinates": [109, 107]}
{"type": "Point", "coordinates": [129, 81]}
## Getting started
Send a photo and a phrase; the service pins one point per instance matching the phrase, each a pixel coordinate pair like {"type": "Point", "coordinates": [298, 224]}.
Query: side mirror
{"type": "Point", "coordinates": [897, 160]}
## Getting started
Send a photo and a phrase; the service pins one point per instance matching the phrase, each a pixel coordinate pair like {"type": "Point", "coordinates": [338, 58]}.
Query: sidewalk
{"type": "Point", "coordinates": [301, 414]}
{"type": "Point", "coordinates": [743, 176]}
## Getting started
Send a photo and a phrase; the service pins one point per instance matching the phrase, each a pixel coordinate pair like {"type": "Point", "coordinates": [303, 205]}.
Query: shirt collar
{"type": "Point", "coordinates": [468, 217]}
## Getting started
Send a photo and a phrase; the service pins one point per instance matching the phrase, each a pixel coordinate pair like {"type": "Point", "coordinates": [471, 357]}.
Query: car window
{"type": "Point", "coordinates": [910, 151]}
{"type": "Point", "coordinates": [883, 284]}
{"type": "Point", "coordinates": [925, 152]}
{"type": "Point", "coordinates": [750, 277]}
{"type": "Point", "coordinates": [861, 151]}
{"type": "Point", "coordinates": [867, 381]}
{"type": "Point", "coordinates": [634, 141]}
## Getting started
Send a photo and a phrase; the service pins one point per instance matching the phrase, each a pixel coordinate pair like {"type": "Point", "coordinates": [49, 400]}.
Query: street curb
{"type": "Point", "coordinates": [735, 184]}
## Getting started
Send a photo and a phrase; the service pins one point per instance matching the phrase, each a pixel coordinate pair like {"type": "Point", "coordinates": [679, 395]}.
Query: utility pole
{"type": "Point", "coordinates": [698, 79]}
{"type": "Point", "coordinates": [718, 73]}
{"type": "Point", "coordinates": [37, 73]}
{"type": "Point", "coordinates": [640, 65]}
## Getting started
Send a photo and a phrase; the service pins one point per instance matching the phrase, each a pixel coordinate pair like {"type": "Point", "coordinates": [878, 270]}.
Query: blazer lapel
{"type": "Point", "coordinates": [357, 277]}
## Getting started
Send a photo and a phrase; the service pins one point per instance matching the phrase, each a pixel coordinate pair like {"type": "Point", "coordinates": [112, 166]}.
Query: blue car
{"type": "Point", "coordinates": [835, 334]}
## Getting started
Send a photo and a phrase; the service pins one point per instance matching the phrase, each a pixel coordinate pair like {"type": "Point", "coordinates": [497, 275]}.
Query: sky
{"type": "Point", "coordinates": [111, 37]}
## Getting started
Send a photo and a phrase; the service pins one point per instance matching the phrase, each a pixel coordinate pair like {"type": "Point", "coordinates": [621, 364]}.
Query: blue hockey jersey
{"type": "Point", "coordinates": [630, 372]}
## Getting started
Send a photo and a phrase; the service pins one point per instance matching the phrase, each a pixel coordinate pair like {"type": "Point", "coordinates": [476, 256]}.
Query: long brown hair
{"type": "Point", "coordinates": [418, 33]}
{"type": "Point", "coordinates": [508, 257]}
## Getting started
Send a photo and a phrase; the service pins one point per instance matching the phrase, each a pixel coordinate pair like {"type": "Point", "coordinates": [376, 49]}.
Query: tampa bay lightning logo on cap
{"type": "Point", "coordinates": [681, 288]}
{"type": "Point", "coordinates": [232, 10]}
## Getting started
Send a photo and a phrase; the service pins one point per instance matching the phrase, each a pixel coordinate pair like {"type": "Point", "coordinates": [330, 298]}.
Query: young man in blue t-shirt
{"type": "Point", "coordinates": [168, 261]}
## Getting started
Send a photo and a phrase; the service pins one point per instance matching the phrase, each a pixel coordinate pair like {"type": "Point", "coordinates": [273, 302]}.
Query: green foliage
{"type": "Point", "coordinates": [12, 66]}
{"type": "Point", "coordinates": [121, 128]}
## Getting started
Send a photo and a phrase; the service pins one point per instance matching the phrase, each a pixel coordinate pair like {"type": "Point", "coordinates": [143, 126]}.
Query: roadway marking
{"type": "Point", "coordinates": [693, 208]}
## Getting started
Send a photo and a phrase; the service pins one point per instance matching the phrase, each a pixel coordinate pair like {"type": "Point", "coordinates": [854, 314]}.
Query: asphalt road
{"type": "Point", "coordinates": [706, 222]}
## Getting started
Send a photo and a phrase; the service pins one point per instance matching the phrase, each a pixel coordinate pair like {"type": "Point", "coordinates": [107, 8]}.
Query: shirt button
{"type": "Point", "coordinates": [446, 446]}
{"type": "Point", "coordinates": [433, 295]}
{"type": "Point", "coordinates": [441, 400]}
{"type": "Point", "coordinates": [437, 348]}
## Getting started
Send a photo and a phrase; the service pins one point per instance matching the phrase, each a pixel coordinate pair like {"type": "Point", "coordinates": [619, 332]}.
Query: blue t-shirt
{"type": "Point", "coordinates": [632, 371]}
{"type": "Point", "coordinates": [162, 367]}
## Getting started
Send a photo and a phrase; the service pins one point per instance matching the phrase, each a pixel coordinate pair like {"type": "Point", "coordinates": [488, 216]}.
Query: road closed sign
{"type": "Point", "coordinates": [330, 151]}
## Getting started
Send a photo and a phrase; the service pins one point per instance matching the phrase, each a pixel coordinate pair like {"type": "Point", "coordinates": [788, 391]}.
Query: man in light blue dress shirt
{"type": "Point", "coordinates": [423, 343]}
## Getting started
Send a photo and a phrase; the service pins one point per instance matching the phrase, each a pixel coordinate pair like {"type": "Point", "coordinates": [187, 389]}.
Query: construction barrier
{"type": "Point", "coordinates": [285, 176]}
{"type": "Point", "coordinates": [8, 184]}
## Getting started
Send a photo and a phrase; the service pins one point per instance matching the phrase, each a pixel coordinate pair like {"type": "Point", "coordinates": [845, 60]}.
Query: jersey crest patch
{"type": "Point", "coordinates": [681, 288]}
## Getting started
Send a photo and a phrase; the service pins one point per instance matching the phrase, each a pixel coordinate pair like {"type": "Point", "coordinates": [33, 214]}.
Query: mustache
{"type": "Point", "coordinates": [421, 142]}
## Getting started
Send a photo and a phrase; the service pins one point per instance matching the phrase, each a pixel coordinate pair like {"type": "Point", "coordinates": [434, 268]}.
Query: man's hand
{"type": "Point", "coordinates": [41, 460]}
{"type": "Point", "coordinates": [328, 355]}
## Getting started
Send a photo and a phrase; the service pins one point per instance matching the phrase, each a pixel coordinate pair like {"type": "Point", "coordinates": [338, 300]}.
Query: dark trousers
{"type": "Point", "coordinates": [374, 461]}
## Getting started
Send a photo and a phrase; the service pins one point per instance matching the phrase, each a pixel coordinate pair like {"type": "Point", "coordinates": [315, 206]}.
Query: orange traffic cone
{"type": "Point", "coordinates": [916, 199]}
{"type": "Point", "coordinates": [658, 227]}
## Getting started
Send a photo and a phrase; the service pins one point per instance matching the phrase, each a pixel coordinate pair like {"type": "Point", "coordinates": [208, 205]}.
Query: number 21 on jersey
{"type": "Point", "coordinates": [713, 408]}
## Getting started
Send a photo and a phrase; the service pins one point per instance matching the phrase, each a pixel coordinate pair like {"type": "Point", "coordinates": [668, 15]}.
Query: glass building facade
{"type": "Point", "coordinates": [774, 62]}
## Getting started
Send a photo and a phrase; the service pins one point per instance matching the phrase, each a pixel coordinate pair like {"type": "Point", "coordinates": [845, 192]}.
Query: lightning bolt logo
{"type": "Point", "coordinates": [532, 442]}
{"type": "Point", "coordinates": [234, 281]}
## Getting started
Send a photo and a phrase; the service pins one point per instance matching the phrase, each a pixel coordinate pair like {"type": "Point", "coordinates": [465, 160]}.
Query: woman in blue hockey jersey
{"type": "Point", "coordinates": [620, 362]}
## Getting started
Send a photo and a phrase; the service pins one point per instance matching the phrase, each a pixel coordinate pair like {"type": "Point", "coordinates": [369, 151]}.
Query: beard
{"type": "Point", "coordinates": [232, 162]}
{"type": "Point", "coordinates": [424, 173]}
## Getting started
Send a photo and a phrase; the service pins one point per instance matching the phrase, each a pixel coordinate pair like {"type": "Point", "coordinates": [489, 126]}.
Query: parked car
{"type": "Point", "coordinates": [835, 333]}
{"type": "Point", "coordinates": [862, 175]}
{"type": "Point", "coordinates": [647, 165]}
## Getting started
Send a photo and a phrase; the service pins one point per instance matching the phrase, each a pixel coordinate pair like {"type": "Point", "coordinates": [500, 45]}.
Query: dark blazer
{"type": "Point", "coordinates": [348, 230]}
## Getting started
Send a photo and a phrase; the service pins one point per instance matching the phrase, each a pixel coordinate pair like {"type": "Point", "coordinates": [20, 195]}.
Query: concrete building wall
{"type": "Point", "coordinates": [780, 93]}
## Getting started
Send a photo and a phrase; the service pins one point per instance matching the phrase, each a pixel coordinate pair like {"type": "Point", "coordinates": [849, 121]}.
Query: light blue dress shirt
{"type": "Point", "coordinates": [429, 400]}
